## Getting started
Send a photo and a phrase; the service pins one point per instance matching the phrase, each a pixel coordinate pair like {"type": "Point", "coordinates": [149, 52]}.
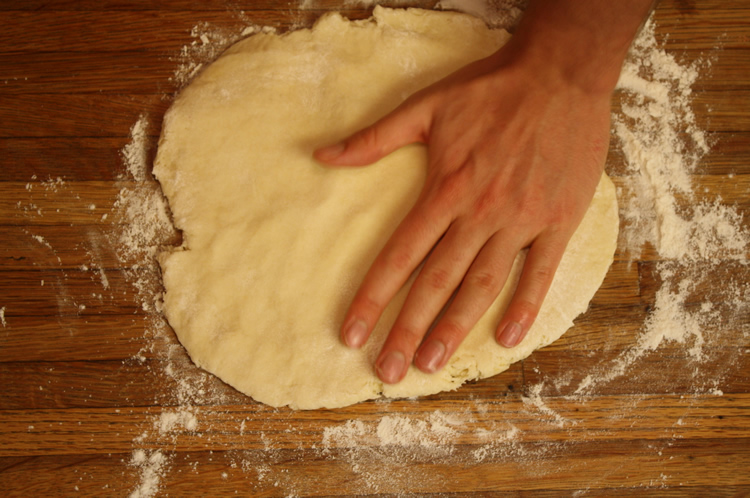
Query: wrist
{"type": "Point", "coordinates": [575, 43]}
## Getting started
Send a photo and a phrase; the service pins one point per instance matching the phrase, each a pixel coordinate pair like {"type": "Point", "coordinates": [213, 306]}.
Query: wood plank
{"type": "Point", "coordinates": [69, 293]}
{"type": "Point", "coordinates": [76, 115]}
{"type": "Point", "coordinates": [98, 384]}
{"type": "Point", "coordinates": [39, 336]}
{"type": "Point", "coordinates": [166, 32]}
{"type": "Point", "coordinates": [96, 248]}
{"type": "Point", "coordinates": [80, 431]}
{"type": "Point", "coordinates": [709, 282]}
{"type": "Point", "coordinates": [670, 370]}
{"type": "Point", "coordinates": [59, 202]}
{"type": "Point", "coordinates": [130, 380]}
{"type": "Point", "coordinates": [283, 473]}
{"type": "Point", "coordinates": [705, 28]}
{"type": "Point", "coordinates": [98, 33]}
{"type": "Point", "coordinates": [43, 339]}
{"type": "Point", "coordinates": [82, 247]}
{"type": "Point", "coordinates": [717, 111]}
{"type": "Point", "coordinates": [77, 159]}
{"type": "Point", "coordinates": [85, 72]}
{"type": "Point", "coordinates": [731, 190]}
{"type": "Point", "coordinates": [729, 154]}
{"type": "Point", "coordinates": [69, 247]}
{"type": "Point", "coordinates": [634, 468]}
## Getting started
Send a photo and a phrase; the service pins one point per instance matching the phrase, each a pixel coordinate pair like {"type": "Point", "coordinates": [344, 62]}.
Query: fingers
{"type": "Point", "coordinates": [433, 287]}
{"type": "Point", "coordinates": [404, 251]}
{"type": "Point", "coordinates": [538, 272]}
{"type": "Point", "coordinates": [481, 286]}
{"type": "Point", "coordinates": [403, 126]}
{"type": "Point", "coordinates": [443, 272]}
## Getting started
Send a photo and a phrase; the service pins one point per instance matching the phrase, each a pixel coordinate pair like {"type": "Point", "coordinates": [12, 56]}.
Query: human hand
{"type": "Point", "coordinates": [515, 153]}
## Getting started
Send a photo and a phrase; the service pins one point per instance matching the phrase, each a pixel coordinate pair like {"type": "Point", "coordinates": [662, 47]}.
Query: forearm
{"type": "Point", "coordinates": [582, 42]}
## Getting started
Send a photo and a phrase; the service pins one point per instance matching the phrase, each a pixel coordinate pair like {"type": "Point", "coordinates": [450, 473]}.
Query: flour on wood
{"type": "Point", "coordinates": [660, 162]}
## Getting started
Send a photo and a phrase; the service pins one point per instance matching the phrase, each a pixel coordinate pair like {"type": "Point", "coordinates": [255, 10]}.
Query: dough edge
{"type": "Point", "coordinates": [592, 249]}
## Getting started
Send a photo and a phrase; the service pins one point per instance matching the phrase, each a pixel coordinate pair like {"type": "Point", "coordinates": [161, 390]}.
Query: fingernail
{"type": "Point", "coordinates": [331, 152]}
{"type": "Point", "coordinates": [356, 334]}
{"type": "Point", "coordinates": [391, 367]}
{"type": "Point", "coordinates": [511, 335]}
{"type": "Point", "coordinates": [430, 356]}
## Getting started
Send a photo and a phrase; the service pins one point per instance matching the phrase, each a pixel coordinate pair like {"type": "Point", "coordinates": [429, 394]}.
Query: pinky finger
{"type": "Point", "coordinates": [538, 272]}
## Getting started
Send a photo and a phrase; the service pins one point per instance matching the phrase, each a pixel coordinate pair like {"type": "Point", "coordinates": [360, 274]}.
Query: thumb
{"type": "Point", "coordinates": [403, 126]}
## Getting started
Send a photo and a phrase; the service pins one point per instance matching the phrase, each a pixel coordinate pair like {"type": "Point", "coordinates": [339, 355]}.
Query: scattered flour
{"type": "Point", "coordinates": [146, 220]}
{"type": "Point", "coordinates": [208, 43]}
{"type": "Point", "coordinates": [145, 227]}
{"type": "Point", "coordinates": [2, 317]}
{"type": "Point", "coordinates": [151, 468]}
{"type": "Point", "coordinates": [135, 153]}
{"type": "Point", "coordinates": [696, 239]}
{"type": "Point", "coordinates": [662, 146]}
{"type": "Point", "coordinates": [169, 421]}
{"type": "Point", "coordinates": [535, 399]}
{"type": "Point", "coordinates": [435, 433]}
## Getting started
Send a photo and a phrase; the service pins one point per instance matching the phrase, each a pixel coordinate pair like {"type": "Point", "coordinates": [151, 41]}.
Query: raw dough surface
{"type": "Point", "coordinates": [275, 244]}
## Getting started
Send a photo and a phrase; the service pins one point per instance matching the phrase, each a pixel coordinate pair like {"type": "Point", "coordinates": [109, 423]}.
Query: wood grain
{"type": "Point", "coordinates": [90, 374]}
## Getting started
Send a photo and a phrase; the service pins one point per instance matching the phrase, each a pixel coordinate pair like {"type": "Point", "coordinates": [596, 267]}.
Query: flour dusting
{"type": "Point", "coordinates": [151, 468]}
{"type": "Point", "coordinates": [535, 399]}
{"type": "Point", "coordinates": [661, 210]}
{"type": "Point", "coordinates": [146, 221]}
{"type": "Point", "coordinates": [663, 147]}
{"type": "Point", "coordinates": [209, 41]}
{"type": "Point", "coordinates": [697, 239]}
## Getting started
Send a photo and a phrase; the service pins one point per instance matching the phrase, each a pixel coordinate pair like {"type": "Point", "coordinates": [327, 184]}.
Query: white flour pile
{"type": "Point", "coordinates": [143, 209]}
{"type": "Point", "coordinates": [151, 468]}
{"type": "Point", "coordinates": [698, 239]}
{"type": "Point", "coordinates": [704, 329]}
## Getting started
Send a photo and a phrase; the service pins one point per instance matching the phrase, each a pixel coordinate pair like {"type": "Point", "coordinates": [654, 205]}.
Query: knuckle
{"type": "Point", "coordinates": [369, 306]}
{"type": "Point", "coordinates": [399, 261]}
{"type": "Point", "coordinates": [525, 310]}
{"type": "Point", "coordinates": [543, 273]}
{"type": "Point", "coordinates": [452, 332]}
{"type": "Point", "coordinates": [486, 281]}
{"type": "Point", "coordinates": [407, 336]}
{"type": "Point", "coordinates": [438, 279]}
{"type": "Point", "coordinates": [541, 276]}
{"type": "Point", "coordinates": [453, 186]}
{"type": "Point", "coordinates": [532, 203]}
{"type": "Point", "coordinates": [486, 205]}
{"type": "Point", "coordinates": [369, 138]}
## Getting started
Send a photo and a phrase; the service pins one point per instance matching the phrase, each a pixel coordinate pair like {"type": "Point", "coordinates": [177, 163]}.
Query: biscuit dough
{"type": "Point", "coordinates": [275, 244]}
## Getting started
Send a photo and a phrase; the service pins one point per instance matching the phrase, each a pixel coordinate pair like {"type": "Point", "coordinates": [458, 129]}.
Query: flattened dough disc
{"type": "Point", "coordinates": [275, 244]}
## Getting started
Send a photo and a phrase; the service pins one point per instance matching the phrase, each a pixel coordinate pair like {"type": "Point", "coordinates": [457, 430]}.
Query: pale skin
{"type": "Point", "coordinates": [516, 145]}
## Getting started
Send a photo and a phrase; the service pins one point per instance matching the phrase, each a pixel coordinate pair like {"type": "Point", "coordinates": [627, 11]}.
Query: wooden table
{"type": "Point", "coordinates": [91, 383]}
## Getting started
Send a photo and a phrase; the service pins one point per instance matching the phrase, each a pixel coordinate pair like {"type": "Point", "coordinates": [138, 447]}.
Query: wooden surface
{"type": "Point", "coordinates": [86, 373]}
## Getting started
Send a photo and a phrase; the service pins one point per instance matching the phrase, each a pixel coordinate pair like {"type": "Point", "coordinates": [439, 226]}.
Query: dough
{"type": "Point", "coordinates": [276, 244]}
